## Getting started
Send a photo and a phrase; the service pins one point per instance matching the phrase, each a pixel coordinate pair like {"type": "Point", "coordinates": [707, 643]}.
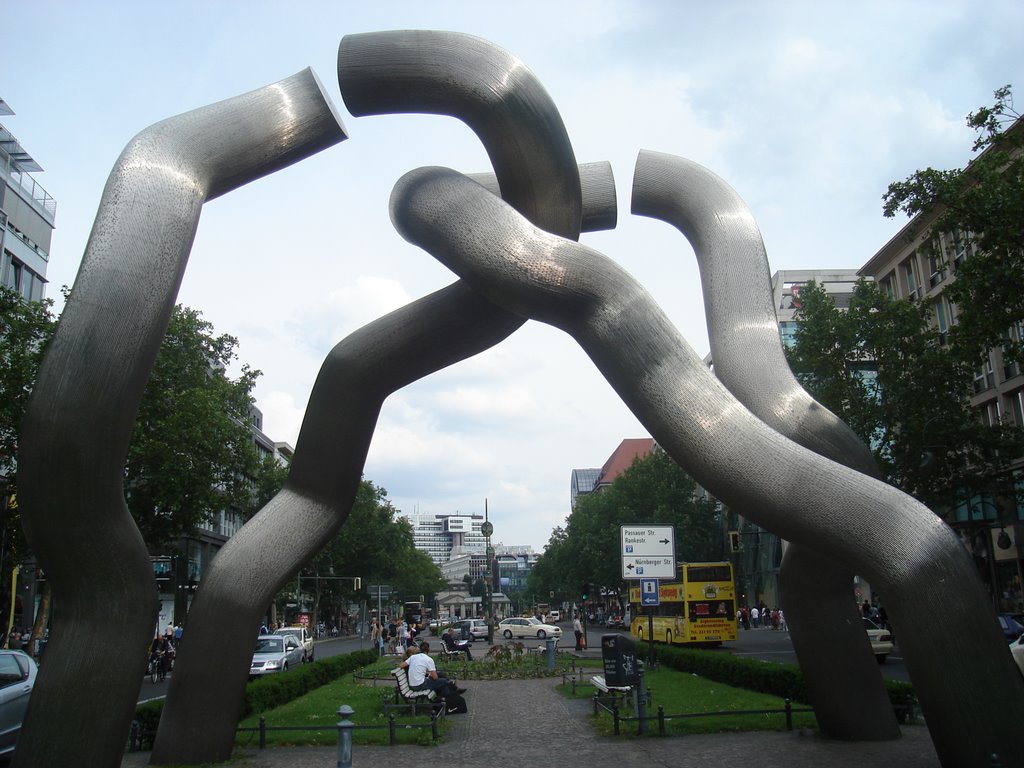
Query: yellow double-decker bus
{"type": "Point", "coordinates": [699, 609]}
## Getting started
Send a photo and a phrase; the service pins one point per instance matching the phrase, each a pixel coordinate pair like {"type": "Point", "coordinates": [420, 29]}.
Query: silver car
{"type": "Point", "coordinates": [275, 653]}
{"type": "Point", "coordinates": [17, 676]}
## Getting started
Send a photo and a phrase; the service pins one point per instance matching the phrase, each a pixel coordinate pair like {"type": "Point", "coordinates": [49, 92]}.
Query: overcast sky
{"type": "Point", "coordinates": [807, 109]}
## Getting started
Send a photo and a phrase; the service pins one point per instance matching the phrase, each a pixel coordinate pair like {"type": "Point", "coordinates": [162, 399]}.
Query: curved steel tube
{"type": "Point", "coordinates": [79, 421]}
{"type": "Point", "coordinates": [823, 618]}
{"type": "Point", "coordinates": [974, 707]}
{"type": "Point", "coordinates": [532, 156]}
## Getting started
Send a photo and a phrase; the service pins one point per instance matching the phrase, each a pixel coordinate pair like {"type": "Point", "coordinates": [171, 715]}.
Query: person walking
{"type": "Point", "coordinates": [577, 629]}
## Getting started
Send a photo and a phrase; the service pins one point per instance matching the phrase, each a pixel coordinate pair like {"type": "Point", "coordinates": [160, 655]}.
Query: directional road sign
{"type": "Point", "coordinates": [648, 551]}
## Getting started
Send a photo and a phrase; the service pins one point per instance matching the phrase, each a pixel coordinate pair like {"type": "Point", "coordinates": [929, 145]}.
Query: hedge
{"type": "Point", "coordinates": [783, 680]}
{"type": "Point", "coordinates": [265, 693]}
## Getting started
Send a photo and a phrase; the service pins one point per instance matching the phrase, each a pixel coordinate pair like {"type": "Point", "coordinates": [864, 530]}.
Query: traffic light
{"type": "Point", "coordinates": [735, 541]}
{"type": "Point", "coordinates": [585, 592]}
{"type": "Point", "coordinates": [356, 584]}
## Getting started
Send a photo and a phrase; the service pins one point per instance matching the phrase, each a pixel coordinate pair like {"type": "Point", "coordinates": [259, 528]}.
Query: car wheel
{"type": "Point", "coordinates": [640, 633]}
{"type": "Point", "coordinates": [311, 658]}
{"type": "Point", "coordinates": [668, 637]}
{"type": "Point", "coordinates": [508, 634]}
{"type": "Point", "coordinates": [881, 657]}
{"type": "Point", "coordinates": [285, 667]}
{"type": "Point", "coordinates": [541, 634]}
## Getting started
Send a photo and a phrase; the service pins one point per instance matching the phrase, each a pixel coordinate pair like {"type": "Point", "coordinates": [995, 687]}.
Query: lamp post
{"type": "Point", "coordinates": [487, 529]}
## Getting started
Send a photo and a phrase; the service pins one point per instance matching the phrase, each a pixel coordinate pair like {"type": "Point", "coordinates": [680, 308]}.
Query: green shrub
{"type": "Point", "coordinates": [271, 691]}
{"type": "Point", "coordinates": [785, 680]}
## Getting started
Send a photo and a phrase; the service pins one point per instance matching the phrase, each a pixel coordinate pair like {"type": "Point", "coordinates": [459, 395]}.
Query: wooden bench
{"type": "Point", "coordinates": [451, 655]}
{"type": "Point", "coordinates": [626, 691]}
{"type": "Point", "coordinates": [411, 698]}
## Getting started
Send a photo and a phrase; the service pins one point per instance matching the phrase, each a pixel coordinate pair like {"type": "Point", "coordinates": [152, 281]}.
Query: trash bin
{"type": "Point", "coordinates": [618, 652]}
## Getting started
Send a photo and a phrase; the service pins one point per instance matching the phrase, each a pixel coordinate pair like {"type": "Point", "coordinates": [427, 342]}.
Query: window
{"type": "Point", "coordinates": [990, 415]}
{"type": "Point", "coordinates": [1017, 407]}
{"type": "Point", "coordinates": [958, 244]}
{"type": "Point", "coordinates": [910, 275]}
{"type": "Point", "coordinates": [942, 318]}
{"type": "Point", "coordinates": [1014, 334]}
{"type": "Point", "coordinates": [984, 376]}
{"type": "Point", "coordinates": [936, 264]}
{"type": "Point", "coordinates": [887, 286]}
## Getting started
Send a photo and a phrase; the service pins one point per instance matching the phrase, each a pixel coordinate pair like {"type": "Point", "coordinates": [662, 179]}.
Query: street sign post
{"type": "Point", "coordinates": [648, 551]}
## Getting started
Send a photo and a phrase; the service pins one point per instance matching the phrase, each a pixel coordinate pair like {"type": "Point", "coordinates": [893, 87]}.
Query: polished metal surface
{"type": "Point", "coordinates": [205, 698]}
{"type": "Point", "coordinates": [966, 681]}
{"type": "Point", "coordinates": [79, 420]}
{"type": "Point", "coordinates": [823, 618]}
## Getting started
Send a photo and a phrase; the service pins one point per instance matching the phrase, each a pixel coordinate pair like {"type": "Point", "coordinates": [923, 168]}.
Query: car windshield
{"type": "Point", "coordinates": [269, 645]}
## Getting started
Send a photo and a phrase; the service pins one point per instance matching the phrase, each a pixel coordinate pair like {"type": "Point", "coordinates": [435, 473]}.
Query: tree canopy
{"type": "Point", "coordinates": [655, 491]}
{"type": "Point", "coordinates": [885, 370]}
{"type": "Point", "coordinates": [981, 205]}
{"type": "Point", "coordinates": [377, 546]}
{"type": "Point", "coordinates": [192, 454]}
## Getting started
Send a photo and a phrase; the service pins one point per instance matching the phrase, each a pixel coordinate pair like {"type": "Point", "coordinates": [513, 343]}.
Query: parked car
{"type": "Point", "coordinates": [305, 640]}
{"type": "Point", "coordinates": [519, 626]}
{"type": "Point", "coordinates": [1012, 629]}
{"type": "Point", "coordinates": [881, 640]}
{"type": "Point", "coordinates": [275, 653]}
{"type": "Point", "coordinates": [17, 677]}
{"type": "Point", "coordinates": [1017, 649]}
{"type": "Point", "coordinates": [472, 629]}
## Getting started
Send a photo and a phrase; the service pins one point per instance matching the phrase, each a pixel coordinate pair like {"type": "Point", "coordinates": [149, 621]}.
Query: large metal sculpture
{"type": "Point", "coordinates": [973, 709]}
{"type": "Point", "coordinates": [75, 435]}
{"type": "Point", "coordinates": [824, 622]}
{"type": "Point", "coordinates": [76, 431]}
{"type": "Point", "coordinates": [534, 166]}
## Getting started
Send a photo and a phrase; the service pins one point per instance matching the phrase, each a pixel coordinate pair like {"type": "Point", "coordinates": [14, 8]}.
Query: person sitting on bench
{"type": "Point", "coordinates": [423, 674]}
{"type": "Point", "coordinates": [455, 646]}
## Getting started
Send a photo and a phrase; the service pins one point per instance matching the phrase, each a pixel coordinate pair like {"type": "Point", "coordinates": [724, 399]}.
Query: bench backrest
{"type": "Point", "coordinates": [402, 678]}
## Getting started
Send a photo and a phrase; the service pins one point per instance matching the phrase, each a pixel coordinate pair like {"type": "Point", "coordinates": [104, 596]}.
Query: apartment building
{"type": "Point", "coordinates": [27, 218]}
{"type": "Point", "coordinates": [912, 266]}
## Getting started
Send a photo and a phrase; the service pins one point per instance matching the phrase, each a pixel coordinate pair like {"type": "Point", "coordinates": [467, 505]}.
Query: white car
{"type": "Point", "coordinates": [275, 653]}
{"type": "Point", "coordinates": [1017, 649]}
{"type": "Point", "coordinates": [554, 616]}
{"type": "Point", "coordinates": [881, 640]}
{"type": "Point", "coordinates": [304, 639]}
{"type": "Point", "coordinates": [527, 627]}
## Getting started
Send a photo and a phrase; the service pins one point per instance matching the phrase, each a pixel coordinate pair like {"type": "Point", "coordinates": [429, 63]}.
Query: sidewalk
{"type": "Point", "coordinates": [528, 717]}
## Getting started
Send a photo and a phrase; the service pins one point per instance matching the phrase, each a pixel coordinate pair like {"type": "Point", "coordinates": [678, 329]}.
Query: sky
{"type": "Point", "coordinates": [807, 109]}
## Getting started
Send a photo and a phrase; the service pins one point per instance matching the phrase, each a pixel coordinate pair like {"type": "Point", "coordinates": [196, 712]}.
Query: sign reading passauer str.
{"type": "Point", "coordinates": [648, 551]}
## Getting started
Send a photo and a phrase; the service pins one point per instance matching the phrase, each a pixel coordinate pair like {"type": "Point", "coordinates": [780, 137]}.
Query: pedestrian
{"type": "Point", "coordinates": [577, 629]}
{"type": "Point", "coordinates": [755, 615]}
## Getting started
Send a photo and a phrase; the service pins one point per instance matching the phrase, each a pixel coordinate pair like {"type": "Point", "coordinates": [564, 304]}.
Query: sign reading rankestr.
{"type": "Point", "coordinates": [648, 551]}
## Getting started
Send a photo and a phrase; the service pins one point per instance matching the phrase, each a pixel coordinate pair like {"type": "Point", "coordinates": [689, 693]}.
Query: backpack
{"type": "Point", "coordinates": [455, 704]}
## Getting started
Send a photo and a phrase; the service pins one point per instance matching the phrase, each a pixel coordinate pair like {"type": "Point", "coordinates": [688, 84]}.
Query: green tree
{"type": "Point", "coordinates": [884, 369]}
{"type": "Point", "coordinates": [982, 204]}
{"type": "Point", "coordinates": [192, 454]}
{"type": "Point", "coordinates": [377, 546]}
{"type": "Point", "coordinates": [25, 328]}
{"type": "Point", "coordinates": [655, 491]}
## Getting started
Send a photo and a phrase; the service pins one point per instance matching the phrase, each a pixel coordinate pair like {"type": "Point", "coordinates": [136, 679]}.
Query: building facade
{"type": "Point", "coordinates": [991, 526]}
{"type": "Point", "coordinates": [443, 537]}
{"type": "Point", "coordinates": [27, 218]}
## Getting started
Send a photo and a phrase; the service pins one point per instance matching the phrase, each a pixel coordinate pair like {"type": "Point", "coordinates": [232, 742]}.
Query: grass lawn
{"type": "Point", "coordinates": [683, 693]}
{"type": "Point", "coordinates": [678, 693]}
{"type": "Point", "coordinates": [320, 708]}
